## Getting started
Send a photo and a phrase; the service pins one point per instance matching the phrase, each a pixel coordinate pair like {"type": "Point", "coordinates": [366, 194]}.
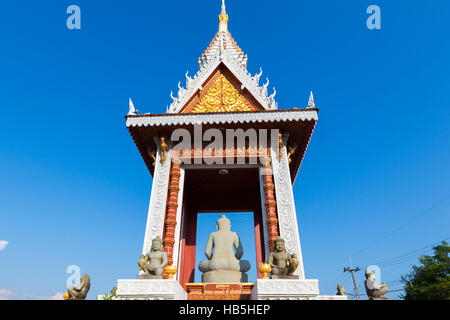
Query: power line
{"type": "Point", "coordinates": [336, 281]}
{"type": "Point", "coordinates": [410, 260]}
{"type": "Point", "coordinates": [390, 291]}
{"type": "Point", "coordinates": [405, 224]}
{"type": "Point", "coordinates": [403, 258]}
{"type": "Point", "coordinates": [391, 263]}
{"type": "Point", "coordinates": [409, 253]}
{"type": "Point", "coordinates": [407, 257]}
{"type": "Point", "coordinates": [395, 290]}
{"type": "Point", "coordinates": [414, 257]}
{"type": "Point", "coordinates": [392, 281]}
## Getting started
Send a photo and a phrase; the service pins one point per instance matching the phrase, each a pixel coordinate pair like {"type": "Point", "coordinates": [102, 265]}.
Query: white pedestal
{"type": "Point", "coordinates": [149, 289]}
{"type": "Point", "coordinates": [289, 289]}
{"type": "Point", "coordinates": [331, 298]}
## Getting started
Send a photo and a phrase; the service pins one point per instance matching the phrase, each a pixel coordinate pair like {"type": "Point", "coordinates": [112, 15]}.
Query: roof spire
{"type": "Point", "coordinates": [132, 110]}
{"type": "Point", "coordinates": [311, 103]}
{"type": "Point", "coordinates": [223, 19]}
{"type": "Point", "coordinates": [223, 7]}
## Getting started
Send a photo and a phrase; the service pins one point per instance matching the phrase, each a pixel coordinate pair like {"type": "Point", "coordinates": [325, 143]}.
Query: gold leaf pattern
{"type": "Point", "coordinates": [222, 97]}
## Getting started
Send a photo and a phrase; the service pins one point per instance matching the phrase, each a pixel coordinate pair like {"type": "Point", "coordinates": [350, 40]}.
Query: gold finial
{"type": "Point", "coordinates": [223, 19]}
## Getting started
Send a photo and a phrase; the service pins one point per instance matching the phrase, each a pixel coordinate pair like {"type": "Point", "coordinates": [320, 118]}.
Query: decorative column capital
{"type": "Point", "coordinates": [163, 147]}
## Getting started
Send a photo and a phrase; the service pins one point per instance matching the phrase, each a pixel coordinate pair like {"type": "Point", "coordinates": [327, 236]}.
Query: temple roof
{"type": "Point", "coordinates": [223, 53]}
{"type": "Point", "coordinates": [224, 41]}
{"type": "Point", "coordinates": [223, 92]}
{"type": "Point", "coordinates": [299, 123]}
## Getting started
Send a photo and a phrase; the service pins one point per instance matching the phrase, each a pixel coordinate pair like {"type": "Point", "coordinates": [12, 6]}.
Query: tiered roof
{"type": "Point", "coordinates": [223, 92]}
{"type": "Point", "coordinates": [225, 55]}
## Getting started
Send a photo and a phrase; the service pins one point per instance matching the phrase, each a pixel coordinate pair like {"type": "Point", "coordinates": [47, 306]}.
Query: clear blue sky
{"type": "Point", "coordinates": [74, 190]}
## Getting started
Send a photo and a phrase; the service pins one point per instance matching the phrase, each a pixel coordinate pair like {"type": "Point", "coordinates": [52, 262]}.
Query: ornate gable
{"type": "Point", "coordinates": [220, 93]}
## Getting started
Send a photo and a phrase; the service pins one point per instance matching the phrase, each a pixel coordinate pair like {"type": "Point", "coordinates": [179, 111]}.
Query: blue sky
{"type": "Point", "coordinates": [74, 190]}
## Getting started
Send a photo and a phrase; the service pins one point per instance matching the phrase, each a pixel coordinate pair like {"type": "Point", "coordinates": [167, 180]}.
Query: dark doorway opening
{"type": "Point", "coordinates": [212, 191]}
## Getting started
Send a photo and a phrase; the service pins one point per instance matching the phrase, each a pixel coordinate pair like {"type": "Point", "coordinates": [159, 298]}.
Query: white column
{"type": "Point", "coordinates": [287, 217]}
{"type": "Point", "coordinates": [178, 227]}
{"type": "Point", "coordinates": [158, 198]}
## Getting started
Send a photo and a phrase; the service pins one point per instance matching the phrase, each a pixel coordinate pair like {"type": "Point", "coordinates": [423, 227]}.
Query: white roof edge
{"type": "Point", "coordinates": [222, 118]}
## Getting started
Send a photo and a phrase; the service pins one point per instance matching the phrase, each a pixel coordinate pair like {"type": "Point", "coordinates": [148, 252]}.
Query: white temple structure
{"type": "Point", "coordinates": [222, 95]}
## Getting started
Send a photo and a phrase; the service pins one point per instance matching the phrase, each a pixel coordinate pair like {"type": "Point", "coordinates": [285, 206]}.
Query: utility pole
{"type": "Point", "coordinates": [352, 270]}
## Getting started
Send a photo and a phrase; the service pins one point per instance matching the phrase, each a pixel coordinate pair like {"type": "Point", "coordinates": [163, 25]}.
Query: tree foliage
{"type": "Point", "coordinates": [431, 279]}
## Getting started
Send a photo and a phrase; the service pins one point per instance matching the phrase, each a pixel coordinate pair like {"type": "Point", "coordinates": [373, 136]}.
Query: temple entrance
{"type": "Point", "coordinates": [218, 190]}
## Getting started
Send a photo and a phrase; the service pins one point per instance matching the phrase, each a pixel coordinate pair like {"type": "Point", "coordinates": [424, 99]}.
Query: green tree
{"type": "Point", "coordinates": [431, 279]}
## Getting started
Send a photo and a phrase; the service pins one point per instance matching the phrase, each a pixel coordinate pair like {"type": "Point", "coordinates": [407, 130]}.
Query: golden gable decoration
{"type": "Point", "coordinates": [222, 96]}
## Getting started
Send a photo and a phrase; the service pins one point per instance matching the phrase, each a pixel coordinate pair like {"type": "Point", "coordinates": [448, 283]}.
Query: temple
{"type": "Point", "coordinates": [249, 166]}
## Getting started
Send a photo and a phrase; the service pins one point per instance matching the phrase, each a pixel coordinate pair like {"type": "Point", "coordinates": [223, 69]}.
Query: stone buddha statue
{"type": "Point", "coordinates": [224, 265]}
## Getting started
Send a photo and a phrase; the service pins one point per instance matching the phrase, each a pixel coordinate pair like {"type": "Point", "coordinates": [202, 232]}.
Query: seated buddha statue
{"type": "Point", "coordinates": [224, 264]}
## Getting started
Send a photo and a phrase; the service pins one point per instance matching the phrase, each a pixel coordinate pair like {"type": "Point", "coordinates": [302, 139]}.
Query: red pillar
{"type": "Point", "coordinates": [270, 203]}
{"type": "Point", "coordinates": [171, 211]}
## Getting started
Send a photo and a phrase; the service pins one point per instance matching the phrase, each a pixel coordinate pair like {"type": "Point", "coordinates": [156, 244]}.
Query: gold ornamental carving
{"type": "Point", "coordinates": [170, 271]}
{"type": "Point", "coordinates": [163, 147]}
{"type": "Point", "coordinates": [222, 97]}
{"type": "Point", "coordinates": [265, 269]}
{"type": "Point", "coordinates": [223, 18]}
{"type": "Point", "coordinates": [292, 150]}
{"type": "Point", "coordinates": [153, 156]}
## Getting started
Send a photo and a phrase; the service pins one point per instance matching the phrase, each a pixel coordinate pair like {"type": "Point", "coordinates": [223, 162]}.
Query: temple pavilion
{"type": "Point", "coordinates": [223, 95]}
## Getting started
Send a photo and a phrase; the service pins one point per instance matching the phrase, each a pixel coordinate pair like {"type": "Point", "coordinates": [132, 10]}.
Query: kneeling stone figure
{"type": "Point", "coordinates": [152, 264]}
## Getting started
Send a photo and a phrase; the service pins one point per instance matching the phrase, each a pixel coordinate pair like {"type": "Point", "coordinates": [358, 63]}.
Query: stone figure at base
{"type": "Point", "coordinates": [79, 292]}
{"type": "Point", "coordinates": [223, 265]}
{"type": "Point", "coordinates": [340, 290]}
{"type": "Point", "coordinates": [152, 264]}
{"type": "Point", "coordinates": [374, 291]}
{"type": "Point", "coordinates": [283, 264]}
